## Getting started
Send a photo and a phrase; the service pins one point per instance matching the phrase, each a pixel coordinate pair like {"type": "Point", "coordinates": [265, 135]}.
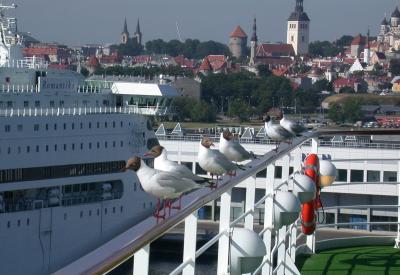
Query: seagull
{"type": "Point", "coordinates": [232, 149]}
{"type": "Point", "coordinates": [294, 127]}
{"type": "Point", "coordinates": [276, 132]}
{"type": "Point", "coordinates": [161, 162]}
{"type": "Point", "coordinates": [161, 184]}
{"type": "Point", "coordinates": [214, 161]}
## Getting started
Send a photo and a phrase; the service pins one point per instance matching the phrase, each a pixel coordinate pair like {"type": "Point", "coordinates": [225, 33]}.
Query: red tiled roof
{"type": "Point", "coordinates": [238, 32]}
{"type": "Point", "coordinates": [184, 62]}
{"type": "Point", "coordinates": [358, 40]}
{"type": "Point", "coordinates": [268, 49]}
{"type": "Point", "coordinates": [141, 58]}
{"type": "Point", "coordinates": [342, 82]}
{"type": "Point", "coordinates": [40, 51]}
{"type": "Point", "coordinates": [278, 61]}
{"type": "Point", "coordinates": [93, 61]}
{"type": "Point", "coordinates": [205, 65]}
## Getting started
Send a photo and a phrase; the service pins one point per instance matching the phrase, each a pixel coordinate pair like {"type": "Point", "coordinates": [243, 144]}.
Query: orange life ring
{"type": "Point", "coordinates": [308, 218]}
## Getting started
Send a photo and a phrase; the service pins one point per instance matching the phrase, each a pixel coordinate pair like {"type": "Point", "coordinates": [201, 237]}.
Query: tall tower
{"type": "Point", "coordinates": [138, 34]}
{"type": "Point", "coordinates": [238, 42]}
{"type": "Point", "coordinates": [367, 52]}
{"type": "Point", "coordinates": [298, 29]}
{"type": "Point", "coordinates": [253, 44]}
{"type": "Point", "coordinates": [125, 34]}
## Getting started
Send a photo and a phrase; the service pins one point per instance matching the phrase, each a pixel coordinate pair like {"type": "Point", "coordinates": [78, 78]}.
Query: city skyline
{"type": "Point", "coordinates": [99, 21]}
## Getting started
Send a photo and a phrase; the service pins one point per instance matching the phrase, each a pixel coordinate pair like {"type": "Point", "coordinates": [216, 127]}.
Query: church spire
{"type": "Point", "coordinates": [254, 35]}
{"type": "Point", "coordinates": [299, 6]}
{"type": "Point", "coordinates": [137, 26]}
{"type": "Point", "coordinates": [125, 27]}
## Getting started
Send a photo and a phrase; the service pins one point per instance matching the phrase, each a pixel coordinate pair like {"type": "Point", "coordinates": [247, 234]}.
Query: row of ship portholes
{"type": "Point", "coordinates": [72, 147]}
{"type": "Point", "coordinates": [36, 127]}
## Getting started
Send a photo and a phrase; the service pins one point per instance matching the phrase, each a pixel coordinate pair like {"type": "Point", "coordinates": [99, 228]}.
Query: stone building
{"type": "Point", "coordinates": [298, 29]}
{"type": "Point", "coordinates": [238, 42]}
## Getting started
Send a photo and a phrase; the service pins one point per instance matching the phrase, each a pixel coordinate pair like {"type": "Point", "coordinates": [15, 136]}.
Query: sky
{"type": "Point", "coordinates": [78, 22]}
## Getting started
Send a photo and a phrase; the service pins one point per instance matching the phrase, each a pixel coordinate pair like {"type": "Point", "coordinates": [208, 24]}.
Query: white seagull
{"type": "Point", "coordinates": [294, 127]}
{"type": "Point", "coordinates": [214, 161]}
{"type": "Point", "coordinates": [163, 185]}
{"type": "Point", "coordinates": [232, 149]}
{"type": "Point", "coordinates": [161, 162]}
{"type": "Point", "coordinates": [276, 132]}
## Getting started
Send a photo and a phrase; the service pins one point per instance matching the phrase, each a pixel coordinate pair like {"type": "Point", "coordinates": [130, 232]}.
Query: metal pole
{"type": "Point", "coordinates": [250, 196]}
{"type": "Point", "coordinates": [397, 241]}
{"type": "Point", "coordinates": [189, 245]}
{"type": "Point", "coordinates": [223, 243]}
{"type": "Point", "coordinates": [268, 218]}
{"type": "Point", "coordinates": [141, 261]}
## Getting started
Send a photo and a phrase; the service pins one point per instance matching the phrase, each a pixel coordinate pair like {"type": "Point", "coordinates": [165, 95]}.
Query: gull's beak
{"type": "Point", "coordinates": [147, 154]}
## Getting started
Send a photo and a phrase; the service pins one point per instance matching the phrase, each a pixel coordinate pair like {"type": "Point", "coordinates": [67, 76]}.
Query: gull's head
{"type": "Point", "coordinates": [207, 142]}
{"type": "Point", "coordinates": [133, 164]}
{"type": "Point", "coordinates": [280, 115]}
{"type": "Point", "coordinates": [155, 151]}
{"type": "Point", "coordinates": [227, 135]}
{"type": "Point", "coordinates": [267, 119]}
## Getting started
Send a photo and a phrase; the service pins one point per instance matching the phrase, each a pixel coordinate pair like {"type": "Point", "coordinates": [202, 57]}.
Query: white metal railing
{"type": "Point", "coordinates": [17, 112]}
{"type": "Point", "coordinates": [135, 242]}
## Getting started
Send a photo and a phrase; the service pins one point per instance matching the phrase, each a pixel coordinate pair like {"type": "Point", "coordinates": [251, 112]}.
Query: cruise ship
{"type": "Point", "coordinates": [63, 143]}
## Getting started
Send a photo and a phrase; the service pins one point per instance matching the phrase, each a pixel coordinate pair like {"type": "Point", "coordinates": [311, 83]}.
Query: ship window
{"type": "Point", "coordinates": [105, 144]}
{"type": "Point", "coordinates": [8, 224]}
{"type": "Point", "coordinates": [47, 148]}
{"type": "Point", "coordinates": [114, 209]}
{"type": "Point", "coordinates": [47, 126]}
{"type": "Point", "coordinates": [105, 124]}
{"type": "Point", "coordinates": [55, 147]}
{"type": "Point", "coordinates": [73, 126]}
{"type": "Point", "coordinates": [121, 208]}
{"type": "Point", "coordinates": [262, 173]}
{"type": "Point", "coordinates": [9, 150]}
{"type": "Point", "coordinates": [278, 172]}
{"type": "Point", "coordinates": [98, 124]}
{"type": "Point", "coordinates": [19, 223]}
{"type": "Point", "coordinates": [27, 221]}
{"type": "Point", "coordinates": [90, 213]}
{"type": "Point", "coordinates": [105, 211]}
{"type": "Point", "coordinates": [122, 143]}
{"type": "Point", "coordinates": [37, 103]}
{"type": "Point", "coordinates": [75, 188]}
{"type": "Point", "coordinates": [81, 146]}
{"type": "Point", "coordinates": [73, 146]}
{"type": "Point", "coordinates": [90, 145]}
{"type": "Point", "coordinates": [98, 144]}
{"type": "Point", "coordinates": [356, 175]}
{"type": "Point", "coordinates": [122, 124]}
{"type": "Point", "coordinates": [1, 104]}
{"type": "Point", "coordinates": [65, 126]}
{"type": "Point", "coordinates": [113, 124]}
{"type": "Point", "coordinates": [7, 128]}
{"type": "Point", "coordinates": [9, 104]}
{"type": "Point", "coordinates": [8, 79]}
{"type": "Point", "coordinates": [61, 103]}
{"type": "Point", "coordinates": [81, 125]}
{"type": "Point", "coordinates": [26, 104]}
{"type": "Point", "coordinates": [37, 148]}
{"type": "Point", "coordinates": [81, 214]}
{"type": "Point", "coordinates": [342, 175]}
{"type": "Point", "coordinates": [98, 212]}
{"type": "Point", "coordinates": [19, 149]}
{"type": "Point", "coordinates": [389, 176]}
{"type": "Point", "coordinates": [28, 149]}
{"type": "Point", "coordinates": [90, 125]}
{"type": "Point", "coordinates": [373, 176]}
{"type": "Point", "coordinates": [65, 147]}
{"type": "Point", "coordinates": [55, 126]}
{"type": "Point", "coordinates": [36, 127]}
{"type": "Point", "coordinates": [114, 143]}
{"type": "Point", "coordinates": [52, 104]}
{"type": "Point", "coordinates": [67, 189]}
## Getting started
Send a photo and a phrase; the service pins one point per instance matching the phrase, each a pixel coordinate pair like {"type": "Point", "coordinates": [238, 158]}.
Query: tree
{"type": "Point", "coordinates": [346, 90]}
{"type": "Point", "coordinates": [352, 110]}
{"type": "Point", "coordinates": [203, 112]}
{"type": "Point", "coordinates": [395, 66]}
{"type": "Point", "coordinates": [183, 107]}
{"type": "Point", "coordinates": [239, 108]}
{"type": "Point", "coordinates": [263, 71]}
{"type": "Point", "coordinates": [335, 113]}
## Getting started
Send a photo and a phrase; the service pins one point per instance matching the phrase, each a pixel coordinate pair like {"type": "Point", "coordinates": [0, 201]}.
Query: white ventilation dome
{"type": "Point", "coordinates": [286, 209]}
{"type": "Point", "coordinates": [327, 172]}
{"type": "Point", "coordinates": [304, 188]}
{"type": "Point", "coordinates": [247, 251]}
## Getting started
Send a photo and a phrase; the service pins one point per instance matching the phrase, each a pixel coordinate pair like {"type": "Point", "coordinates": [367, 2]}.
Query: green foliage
{"type": "Point", "coordinates": [84, 72]}
{"type": "Point", "coordinates": [204, 112]}
{"type": "Point", "coordinates": [191, 48]}
{"type": "Point", "coordinates": [148, 72]}
{"type": "Point", "coordinates": [326, 48]}
{"type": "Point", "coordinates": [395, 66]}
{"type": "Point", "coordinates": [263, 70]}
{"type": "Point", "coordinates": [183, 106]}
{"type": "Point", "coordinates": [239, 108]}
{"type": "Point", "coordinates": [346, 90]}
{"type": "Point", "coordinates": [343, 41]}
{"type": "Point", "coordinates": [131, 48]}
{"type": "Point", "coordinates": [350, 111]}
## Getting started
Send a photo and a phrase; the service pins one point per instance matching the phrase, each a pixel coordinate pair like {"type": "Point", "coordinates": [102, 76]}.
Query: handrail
{"type": "Point", "coordinates": [225, 184]}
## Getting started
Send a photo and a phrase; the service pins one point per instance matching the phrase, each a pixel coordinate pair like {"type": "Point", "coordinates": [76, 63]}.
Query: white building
{"type": "Point", "coordinates": [298, 29]}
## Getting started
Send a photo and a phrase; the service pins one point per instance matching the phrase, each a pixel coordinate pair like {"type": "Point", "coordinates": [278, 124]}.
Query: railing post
{"type": "Point", "coordinates": [397, 241]}
{"type": "Point", "coordinates": [223, 243]}
{"type": "Point", "coordinates": [250, 197]}
{"type": "Point", "coordinates": [281, 261]}
{"type": "Point", "coordinates": [268, 218]}
{"type": "Point", "coordinates": [189, 245]}
{"type": "Point", "coordinates": [141, 261]}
